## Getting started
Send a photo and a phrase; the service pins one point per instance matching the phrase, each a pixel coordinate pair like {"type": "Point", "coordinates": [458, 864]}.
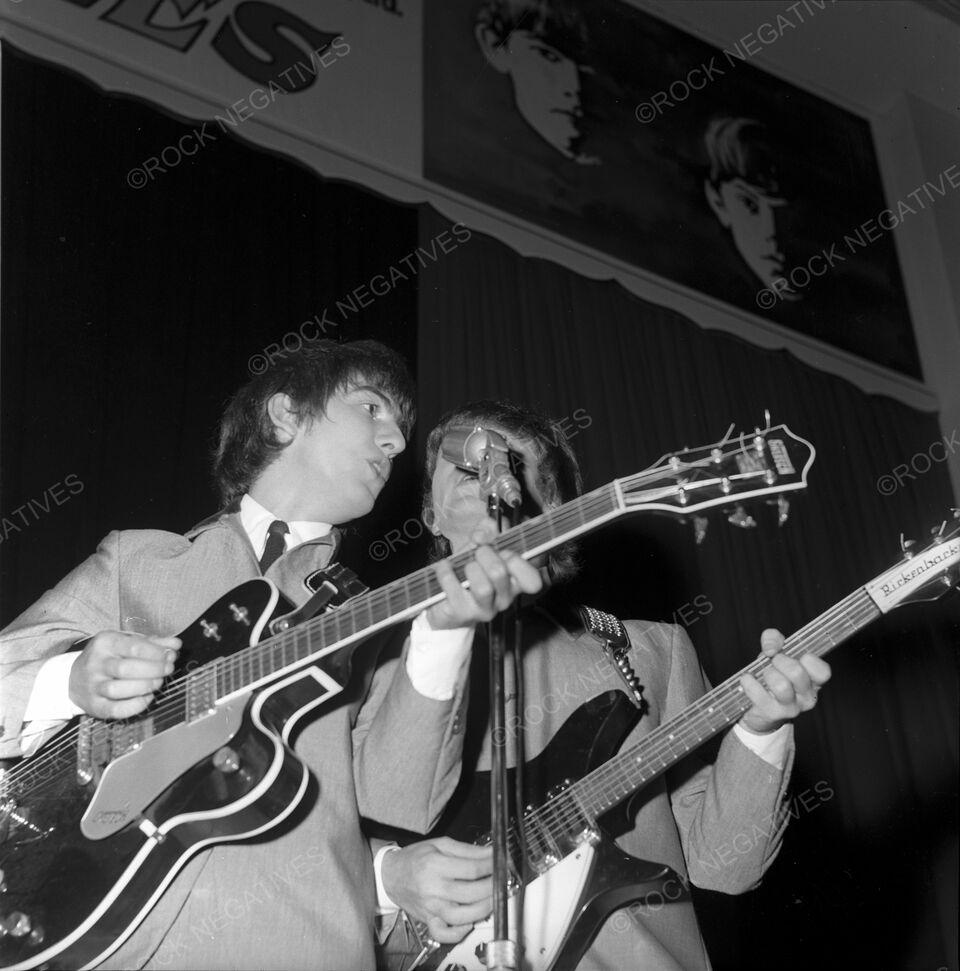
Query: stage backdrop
{"type": "Point", "coordinates": [605, 126]}
{"type": "Point", "coordinates": [125, 326]}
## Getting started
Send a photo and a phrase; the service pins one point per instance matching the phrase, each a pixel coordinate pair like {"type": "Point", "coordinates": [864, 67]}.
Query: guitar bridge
{"type": "Point", "coordinates": [93, 752]}
{"type": "Point", "coordinates": [589, 834]}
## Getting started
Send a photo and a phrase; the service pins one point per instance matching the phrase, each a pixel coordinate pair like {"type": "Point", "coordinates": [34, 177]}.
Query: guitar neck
{"type": "Point", "coordinates": [403, 598]}
{"type": "Point", "coordinates": [624, 774]}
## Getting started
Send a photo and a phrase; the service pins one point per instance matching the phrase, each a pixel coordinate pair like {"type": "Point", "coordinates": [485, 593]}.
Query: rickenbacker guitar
{"type": "Point", "coordinates": [574, 876]}
{"type": "Point", "coordinates": [117, 807]}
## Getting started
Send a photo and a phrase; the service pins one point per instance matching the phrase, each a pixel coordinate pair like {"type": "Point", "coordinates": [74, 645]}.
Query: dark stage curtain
{"type": "Point", "coordinates": [867, 876]}
{"type": "Point", "coordinates": [131, 314]}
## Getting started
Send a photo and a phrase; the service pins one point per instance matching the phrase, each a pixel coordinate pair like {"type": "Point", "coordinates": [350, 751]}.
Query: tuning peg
{"type": "Point", "coordinates": [766, 418]}
{"type": "Point", "coordinates": [905, 546]}
{"type": "Point", "coordinates": [740, 517]}
{"type": "Point", "coordinates": [783, 509]}
{"type": "Point", "coordinates": [700, 528]}
{"type": "Point", "coordinates": [16, 924]}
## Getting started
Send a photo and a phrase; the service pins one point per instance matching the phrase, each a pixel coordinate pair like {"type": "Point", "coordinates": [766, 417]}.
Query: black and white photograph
{"type": "Point", "coordinates": [479, 485]}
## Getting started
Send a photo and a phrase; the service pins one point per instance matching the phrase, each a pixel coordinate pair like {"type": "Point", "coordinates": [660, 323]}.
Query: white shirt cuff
{"type": "Point", "coordinates": [384, 904]}
{"type": "Point", "coordinates": [771, 748]}
{"type": "Point", "coordinates": [49, 704]}
{"type": "Point", "coordinates": [437, 657]}
{"type": "Point", "coordinates": [50, 697]}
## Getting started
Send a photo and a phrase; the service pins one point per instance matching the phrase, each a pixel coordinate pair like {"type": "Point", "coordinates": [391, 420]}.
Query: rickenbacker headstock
{"type": "Point", "coordinates": [765, 464]}
{"type": "Point", "coordinates": [924, 574]}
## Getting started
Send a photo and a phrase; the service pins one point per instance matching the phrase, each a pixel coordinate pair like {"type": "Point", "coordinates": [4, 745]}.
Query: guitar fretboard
{"type": "Point", "coordinates": [377, 609]}
{"type": "Point", "coordinates": [550, 827]}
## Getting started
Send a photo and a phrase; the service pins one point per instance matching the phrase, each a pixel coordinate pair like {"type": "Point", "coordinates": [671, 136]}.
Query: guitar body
{"type": "Point", "coordinates": [563, 909]}
{"type": "Point", "coordinates": [567, 903]}
{"type": "Point", "coordinates": [84, 862]}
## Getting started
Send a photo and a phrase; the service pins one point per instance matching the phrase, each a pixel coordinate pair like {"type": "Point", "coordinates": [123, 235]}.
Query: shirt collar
{"type": "Point", "coordinates": [255, 520]}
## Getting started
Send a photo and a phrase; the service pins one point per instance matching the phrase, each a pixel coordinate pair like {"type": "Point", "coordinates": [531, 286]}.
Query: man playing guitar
{"type": "Point", "coordinates": [718, 826]}
{"type": "Point", "coordinates": [304, 447]}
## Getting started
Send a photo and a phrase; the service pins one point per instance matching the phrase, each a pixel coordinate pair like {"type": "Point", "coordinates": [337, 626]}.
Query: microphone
{"type": "Point", "coordinates": [485, 452]}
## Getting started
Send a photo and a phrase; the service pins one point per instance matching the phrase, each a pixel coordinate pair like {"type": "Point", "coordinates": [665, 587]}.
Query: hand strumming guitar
{"type": "Point", "coordinates": [442, 882]}
{"type": "Point", "coordinates": [116, 674]}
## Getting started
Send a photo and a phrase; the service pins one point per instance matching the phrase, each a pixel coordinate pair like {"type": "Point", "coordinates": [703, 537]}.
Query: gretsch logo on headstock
{"type": "Point", "coordinates": [781, 458]}
{"type": "Point", "coordinates": [899, 583]}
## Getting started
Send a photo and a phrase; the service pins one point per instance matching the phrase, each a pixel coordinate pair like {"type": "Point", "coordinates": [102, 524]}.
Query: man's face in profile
{"type": "Point", "coordinates": [546, 87]}
{"type": "Point", "coordinates": [752, 216]}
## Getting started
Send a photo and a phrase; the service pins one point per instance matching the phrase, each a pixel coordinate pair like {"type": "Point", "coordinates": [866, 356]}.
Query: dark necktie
{"type": "Point", "coordinates": [276, 543]}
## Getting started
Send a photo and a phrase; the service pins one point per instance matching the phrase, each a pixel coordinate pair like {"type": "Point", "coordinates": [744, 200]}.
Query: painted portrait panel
{"type": "Point", "coordinates": [617, 130]}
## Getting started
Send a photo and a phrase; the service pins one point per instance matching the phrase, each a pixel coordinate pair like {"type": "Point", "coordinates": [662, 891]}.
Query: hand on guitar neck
{"type": "Point", "coordinates": [787, 687]}
{"type": "Point", "coordinates": [495, 578]}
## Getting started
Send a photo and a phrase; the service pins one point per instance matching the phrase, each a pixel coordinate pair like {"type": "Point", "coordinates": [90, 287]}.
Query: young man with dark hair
{"type": "Point", "coordinates": [744, 189]}
{"type": "Point", "coordinates": [680, 821]}
{"type": "Point", "coordinates": [541, 45]}
{"type": "Point", "coordinates": [304, 448]}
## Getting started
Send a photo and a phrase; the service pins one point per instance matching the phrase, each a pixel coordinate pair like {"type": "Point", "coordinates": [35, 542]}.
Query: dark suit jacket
{"type": "Point", "coordinates": [302, 899]}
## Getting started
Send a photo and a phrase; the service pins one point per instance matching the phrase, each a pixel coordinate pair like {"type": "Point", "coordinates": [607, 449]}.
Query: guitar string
{"type": "Point", "coordinates": [534, 532]}
{"type": "Point", "coordinates": [533, 529]}
{"type": "Point", "coordinates": [103, 729]}
{"type": "Point", "coordinates": [174, 697]}
{"type": "Point", "coordinates": [725, 700]}
{"type": "Point", "coordinates": [710, 714]}
{"type": "Point", "coordinates": [175, 691]}
{"type": "Point", "coordinates": [590, 787]}
{"type": "Point", "coordinates": [42, 764]}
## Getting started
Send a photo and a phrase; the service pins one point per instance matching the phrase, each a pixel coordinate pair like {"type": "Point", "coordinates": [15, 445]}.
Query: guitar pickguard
{"type": "Point", "coordinates": [130, 783]}
{"type": "Point", "coordinates": [549, 906]}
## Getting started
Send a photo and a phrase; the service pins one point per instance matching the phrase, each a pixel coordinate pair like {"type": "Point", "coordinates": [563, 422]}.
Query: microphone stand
{"type": "Point", "coordinates": [502, 953]}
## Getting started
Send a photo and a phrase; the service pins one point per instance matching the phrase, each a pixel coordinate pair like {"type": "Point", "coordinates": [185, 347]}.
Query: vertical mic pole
{"type": "Point", "coordinates": [502, 953]}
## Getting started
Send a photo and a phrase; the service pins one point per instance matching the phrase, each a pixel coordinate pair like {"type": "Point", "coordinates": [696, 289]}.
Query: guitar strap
{"type": "Point", "coordinates": [611, 633]}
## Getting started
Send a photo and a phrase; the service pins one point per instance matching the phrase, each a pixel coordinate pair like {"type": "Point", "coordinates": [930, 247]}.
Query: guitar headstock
{"type": "Point", "coordinates": [924, 574]}
{"type": "Point", "coordinates": [768, 462]}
